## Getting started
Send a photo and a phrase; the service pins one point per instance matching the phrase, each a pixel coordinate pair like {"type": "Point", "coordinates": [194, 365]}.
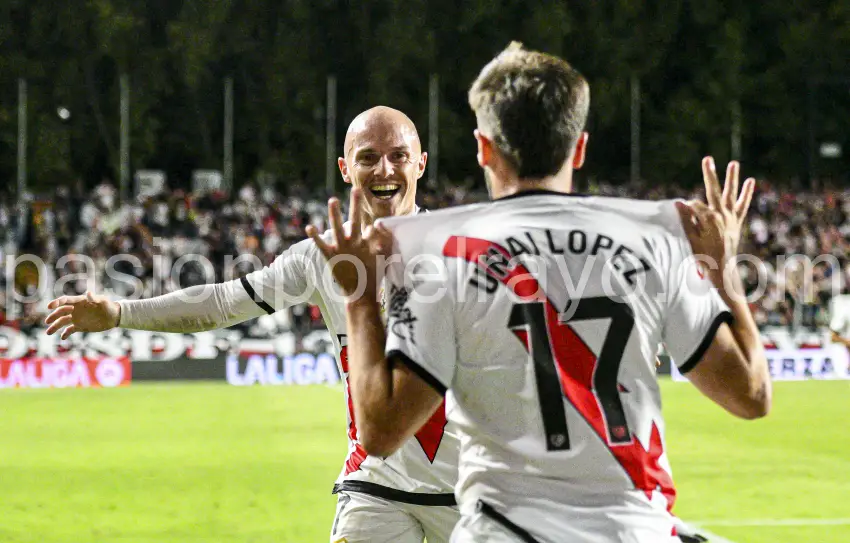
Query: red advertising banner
{"type": "Point", "coordinates": [81, 372]}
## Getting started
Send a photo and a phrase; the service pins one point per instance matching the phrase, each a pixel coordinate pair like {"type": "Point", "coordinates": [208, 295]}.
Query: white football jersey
{"type": "Point", "coordinates": [424, 470]}
{"type": "Point", "coordinates": [839, 311]}
{"type": "Point", "coordinates": [540, 315]}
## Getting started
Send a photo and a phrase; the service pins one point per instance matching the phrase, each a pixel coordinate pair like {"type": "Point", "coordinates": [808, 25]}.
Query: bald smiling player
{"type": "Point", "coordinates": [405, 497]}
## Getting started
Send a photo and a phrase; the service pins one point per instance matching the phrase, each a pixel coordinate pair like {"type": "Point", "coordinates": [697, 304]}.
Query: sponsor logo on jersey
{"type": "Point", "coordinates": [400, 315]}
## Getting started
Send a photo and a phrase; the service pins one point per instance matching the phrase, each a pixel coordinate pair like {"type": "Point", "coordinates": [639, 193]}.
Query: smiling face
{"type": "Point", "coordinates": [384, 157]}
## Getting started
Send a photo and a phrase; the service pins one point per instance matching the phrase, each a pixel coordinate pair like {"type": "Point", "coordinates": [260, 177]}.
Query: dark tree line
{"type": "Point", "coordinates": [701, 65]}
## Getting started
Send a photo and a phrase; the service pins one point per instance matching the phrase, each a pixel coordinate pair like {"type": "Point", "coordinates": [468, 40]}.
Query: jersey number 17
{"type": "Point", "coordinates": [564, 364]}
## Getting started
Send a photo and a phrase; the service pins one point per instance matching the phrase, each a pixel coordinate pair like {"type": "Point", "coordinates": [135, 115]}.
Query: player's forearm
{"type": "Point", "coordinates": [194, 309]}
{"type": "Point", "coordinates": [746, 334]}
{"type": "Point", "coordinates": [370, 377]}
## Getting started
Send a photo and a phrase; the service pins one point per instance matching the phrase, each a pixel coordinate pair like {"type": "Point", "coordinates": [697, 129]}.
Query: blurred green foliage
{"type": "Point", "coordinates": [696, 61]}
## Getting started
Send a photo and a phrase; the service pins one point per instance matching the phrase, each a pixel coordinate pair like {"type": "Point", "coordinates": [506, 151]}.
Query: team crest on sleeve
{"type": "Point", "coordinates": [399, 314]}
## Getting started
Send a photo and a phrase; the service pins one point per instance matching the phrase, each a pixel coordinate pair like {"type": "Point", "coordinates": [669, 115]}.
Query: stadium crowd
{"type": "Point", "coordinates": [265, 222]}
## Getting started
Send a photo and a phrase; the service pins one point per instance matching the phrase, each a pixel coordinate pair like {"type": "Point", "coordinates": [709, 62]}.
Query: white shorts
{"type": "Point", "coordinates": [361, 518]}
{"type": "Point", "coordinates": [493, 526]}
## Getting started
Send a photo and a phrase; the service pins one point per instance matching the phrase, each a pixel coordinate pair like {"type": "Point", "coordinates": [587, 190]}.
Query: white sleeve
{"type": "Point", "coordinates": [194, 309]}
{"type": "Point", "coordinates": [420, 323]}
{"type": "Point", "coordinates": [694, 309]}
{"type": "Point", "coordinates": [289, 280]}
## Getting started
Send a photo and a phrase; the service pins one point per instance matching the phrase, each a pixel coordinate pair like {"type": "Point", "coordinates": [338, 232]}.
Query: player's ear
{"type": "Point", "coordinates": [485, 149]}
{"type": "Point", "coordinates": [581, 151]}
{"type": "Point", "coordinates": [343, 169]}
{"type": "Point", "coordinates": [420, 168]}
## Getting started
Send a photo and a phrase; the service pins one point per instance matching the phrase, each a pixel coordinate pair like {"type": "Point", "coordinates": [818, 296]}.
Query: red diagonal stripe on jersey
{"type": "Point", "coordinates": [518, 278]}
{"type": "Point", "coordinates": [431, 434]}
{"type": "Point", "coordinates": [358, 455]}
{"type": "Point", "coordinates": [352, 463]}
{"type": "Point", "coordinates": [640, 464]}
{"type": "Point", "coordinates": [576, 374]}
{"type": "Point", "coordinates": [343, 358]}
{"type": "Point", "coordinates": [522, 336]}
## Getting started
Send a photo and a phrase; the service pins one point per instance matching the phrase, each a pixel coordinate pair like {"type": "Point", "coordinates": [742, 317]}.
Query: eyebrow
{"type": "Point", "coordinates": [372, 150]}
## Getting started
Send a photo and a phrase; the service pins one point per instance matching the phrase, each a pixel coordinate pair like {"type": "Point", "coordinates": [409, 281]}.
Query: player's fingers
{"type": "Point", "coordinates": [356, 212]}
{"type": "Point", "coordinates": [730, 187]}
{"type": "Point", "coordinates": [313, 233]}
{"type": "Point", "coordinates": [62, 311]}
{"type": "Point", "coordinates": [335, 216]}
{"type": "Point", "coordinates": [746, 197]}
{"type": "Point", "coordinates": [712, 185]}
{"type": "Point", "coordinates": [65, 300]}
{"type": "Point", "coordinates": [66, 333]}
{"type": "Point", "coordinates": [58, 324]}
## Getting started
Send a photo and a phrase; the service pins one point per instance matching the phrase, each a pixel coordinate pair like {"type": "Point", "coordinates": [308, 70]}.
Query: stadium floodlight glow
{"type": "Point", "coordinates": [830, 150]}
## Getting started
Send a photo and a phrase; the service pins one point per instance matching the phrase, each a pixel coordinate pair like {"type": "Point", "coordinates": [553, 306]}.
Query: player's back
{"type": "Point", "coordinates": [559, 305]}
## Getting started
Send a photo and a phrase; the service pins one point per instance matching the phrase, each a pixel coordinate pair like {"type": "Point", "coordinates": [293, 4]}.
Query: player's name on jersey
{"type": "Point", "coordinates": [621, 258]}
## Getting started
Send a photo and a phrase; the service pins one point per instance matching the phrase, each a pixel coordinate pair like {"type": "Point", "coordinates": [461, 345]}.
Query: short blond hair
{"type": "Point", "coordinates": [533, 106]}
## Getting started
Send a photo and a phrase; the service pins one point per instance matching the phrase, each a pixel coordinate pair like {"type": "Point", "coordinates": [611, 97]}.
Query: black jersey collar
{"type": "Point", "coordinates": [541, 192]}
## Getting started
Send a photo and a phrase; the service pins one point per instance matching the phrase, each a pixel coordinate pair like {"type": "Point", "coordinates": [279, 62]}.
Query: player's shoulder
{"type": "Point", "coordinates": [659, 215]}
{"type": "Point", "coordinates": [429, 217]}
{"type": "Point", "coordinates": [649, 218]}
{"type": "Point", "coordinates": [429, 230]}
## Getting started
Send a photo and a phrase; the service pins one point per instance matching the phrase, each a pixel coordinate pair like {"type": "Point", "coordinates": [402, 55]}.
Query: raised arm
{"type": "Point", "coordinates": [730, 368]}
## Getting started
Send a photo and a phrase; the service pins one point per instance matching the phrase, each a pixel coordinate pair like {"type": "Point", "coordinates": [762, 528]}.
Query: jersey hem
{"type": "Point", "coordinates": [396, 495]}
{"type": "Point", "coordinates": [423, 374]}
{"type": "Point", "coordinates": [694, 359]}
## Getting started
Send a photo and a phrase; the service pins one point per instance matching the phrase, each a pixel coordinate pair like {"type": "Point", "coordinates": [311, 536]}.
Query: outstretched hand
{"type": "Point", "coordinates": [714, 230]}
{"type": "Point", "coordinates": [356, 256]}
{"type": "Point", "coordinates": [85, 313]}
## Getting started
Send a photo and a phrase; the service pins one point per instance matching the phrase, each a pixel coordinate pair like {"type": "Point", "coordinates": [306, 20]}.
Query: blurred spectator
{"type": "Point", "coordinates": [263, 223]}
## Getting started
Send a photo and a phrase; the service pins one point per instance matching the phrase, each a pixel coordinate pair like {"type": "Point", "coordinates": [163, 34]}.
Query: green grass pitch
{"type": "Point", "coordinates": [187, 463]}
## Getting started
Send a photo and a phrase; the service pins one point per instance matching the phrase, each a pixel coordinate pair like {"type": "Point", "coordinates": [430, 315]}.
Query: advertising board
{"type": "Point", "coordinates": [33, 372]}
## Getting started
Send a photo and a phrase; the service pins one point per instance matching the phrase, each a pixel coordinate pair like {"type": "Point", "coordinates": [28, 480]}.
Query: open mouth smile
{"type": "Point", "coordinates": [385, 191]}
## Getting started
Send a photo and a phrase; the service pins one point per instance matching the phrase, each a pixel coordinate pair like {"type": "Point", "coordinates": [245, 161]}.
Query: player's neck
{"type": "Point", "coordinates": [369, 219]}
{"type": "Point", "coordinates": [562, 182]}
